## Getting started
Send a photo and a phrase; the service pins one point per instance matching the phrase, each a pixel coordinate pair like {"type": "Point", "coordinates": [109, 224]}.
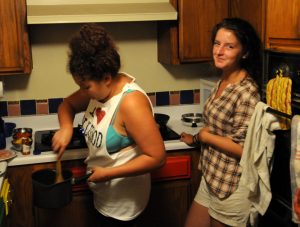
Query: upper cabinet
{"type": "Point", "coordinates": [283, 25]}
{"type": "Point", "coordinates": [251, 11]}
{"type": "Point", "coordinates": [189, 39]}
{"type": "Point", "coordinates": [15, 54]}
{"type": "Point", "coordinates": [276, 21]}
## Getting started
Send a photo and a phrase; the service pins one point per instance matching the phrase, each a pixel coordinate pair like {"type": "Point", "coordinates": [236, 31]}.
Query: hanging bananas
{"type": "Point", "coordinates": [278, 95]}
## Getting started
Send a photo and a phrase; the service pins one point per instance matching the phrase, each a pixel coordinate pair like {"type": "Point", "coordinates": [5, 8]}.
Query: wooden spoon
{"type": "Point", "coordinates": [59, 178]}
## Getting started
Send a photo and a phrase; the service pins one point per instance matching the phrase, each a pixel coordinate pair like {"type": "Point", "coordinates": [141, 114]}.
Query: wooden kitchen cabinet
{"type": "Point", "coordinates": [189, 38]}
{"type": "Point", "coordinates": [170, 199]}
{"type": "Point", "coordinates": [283, 25]}
{"type": "Point", "coordinates": [168, 205]}
{"type": "Point", "coordinates": [252, 11]}
{"type": "Point", "coordinates": [79, 213]}
{"type": "Point", "coordinates": [15, 53]}
{"type": "Point", "coordinates": [276, 21]}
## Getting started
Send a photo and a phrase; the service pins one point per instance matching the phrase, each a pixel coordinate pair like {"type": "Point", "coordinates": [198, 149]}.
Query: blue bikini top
{"type": "Point", "coordinates": [114, 140]}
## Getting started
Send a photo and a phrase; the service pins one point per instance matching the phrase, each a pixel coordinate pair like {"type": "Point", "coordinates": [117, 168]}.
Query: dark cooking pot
{"type": "Point", "coordinates": [48, 194]}
{"type": "Point", "coordinates": [161, 119]}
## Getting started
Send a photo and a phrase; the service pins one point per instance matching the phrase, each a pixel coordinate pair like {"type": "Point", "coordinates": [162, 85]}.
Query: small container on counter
{"type": "Point", "coordinates": [22, 140]}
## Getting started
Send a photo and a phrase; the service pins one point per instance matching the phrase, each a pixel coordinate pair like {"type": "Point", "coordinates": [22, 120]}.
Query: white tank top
{"type": "Point", "coordinates": [120, 198]}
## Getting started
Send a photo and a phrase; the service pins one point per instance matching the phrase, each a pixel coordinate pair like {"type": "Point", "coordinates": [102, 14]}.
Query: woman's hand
{"type": "Point", "coordinates": [201, 137]}
{"type": "Point", "coordinates": [186, 138]}
{"type": "Point", "coordinates": [99, 174]}
{"type": "Point", "coordinates": [61, 139]}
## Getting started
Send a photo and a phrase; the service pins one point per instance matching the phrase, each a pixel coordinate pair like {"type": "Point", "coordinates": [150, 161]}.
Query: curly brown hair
{"type": "Point", "coordinates": [93, 53]}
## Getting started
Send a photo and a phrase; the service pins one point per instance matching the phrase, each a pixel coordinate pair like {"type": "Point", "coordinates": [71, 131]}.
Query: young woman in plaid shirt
{"type": "Point", "coordinates": [220, 200]}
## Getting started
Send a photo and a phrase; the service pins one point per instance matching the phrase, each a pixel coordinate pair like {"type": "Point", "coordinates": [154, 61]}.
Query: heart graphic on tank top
{"type": "Point", "coordinates": [100, 114]}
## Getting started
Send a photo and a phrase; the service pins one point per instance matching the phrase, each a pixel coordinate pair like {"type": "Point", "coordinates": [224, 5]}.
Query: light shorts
{"type": "Point", "coordinates": [232, 211]}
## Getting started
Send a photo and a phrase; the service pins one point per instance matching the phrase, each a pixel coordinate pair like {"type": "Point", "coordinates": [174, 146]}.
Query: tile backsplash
{"type": "Point", "coordinates": [50, 106]}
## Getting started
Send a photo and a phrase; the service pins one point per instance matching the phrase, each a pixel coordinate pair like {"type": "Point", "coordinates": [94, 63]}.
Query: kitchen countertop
{"type": "Point", "coordinates": [46, 122]}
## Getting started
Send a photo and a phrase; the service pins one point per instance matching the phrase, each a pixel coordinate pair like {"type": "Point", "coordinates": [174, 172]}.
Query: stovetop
{"type": "Point", "coordinates": [168, 134]}
{"type": "Point", "coordinates": [43, 139]}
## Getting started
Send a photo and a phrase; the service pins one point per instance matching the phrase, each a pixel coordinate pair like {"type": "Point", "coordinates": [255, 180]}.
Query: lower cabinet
{"type": "Point", "coordinates": [79, 213]}
{"type": "Point", "coordinates": [168, 205]}
{"type": "Point", "coordinates": [23, 213]}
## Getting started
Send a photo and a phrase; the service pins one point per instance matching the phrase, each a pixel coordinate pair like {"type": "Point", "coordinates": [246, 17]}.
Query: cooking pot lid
{"type": "Point", "coordinates": [192, 119]}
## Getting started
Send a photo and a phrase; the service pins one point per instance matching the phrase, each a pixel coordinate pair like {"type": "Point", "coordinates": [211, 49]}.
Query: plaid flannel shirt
{"type": "Point", "coordinates": [228, 115]}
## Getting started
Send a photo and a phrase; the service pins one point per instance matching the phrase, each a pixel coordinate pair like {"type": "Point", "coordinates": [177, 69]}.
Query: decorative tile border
{"type": "Point", "coordinates": [50, 106]}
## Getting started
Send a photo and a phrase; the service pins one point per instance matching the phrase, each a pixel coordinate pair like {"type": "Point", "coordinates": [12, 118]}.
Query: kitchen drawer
{"type": "Point", "coordinates": [176, 167]}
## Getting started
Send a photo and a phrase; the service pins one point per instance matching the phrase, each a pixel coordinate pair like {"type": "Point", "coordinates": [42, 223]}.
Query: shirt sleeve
{"type": "Point", "coordinates": [243, 111]}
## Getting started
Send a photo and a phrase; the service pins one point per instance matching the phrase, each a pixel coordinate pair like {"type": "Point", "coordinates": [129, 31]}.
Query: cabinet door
{"type": "Point", "coordinates": [189, 38]}
{"type": "Point", "coordinates": [171, 198]}
{"type": "Point", "coordinates": [168, 205]}
{"type": "Point", "coordinates": [15, 56]}
{"type": "Point", "coordinates": [196, 20]}
{"type": "Point", "coordinates": [20, 213]}
{"type": "Point", "coordinates": [23, 213]}
{"type": "Point", "coordinates": [251, 11]}
{"type": "Point", "coordinates": [283, 25]}
{"type": "Point", "coordinates": [80, 212]}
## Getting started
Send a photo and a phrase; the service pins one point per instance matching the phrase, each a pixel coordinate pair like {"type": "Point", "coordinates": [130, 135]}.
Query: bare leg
{"type": "Point", "coordinates": [198, 216]}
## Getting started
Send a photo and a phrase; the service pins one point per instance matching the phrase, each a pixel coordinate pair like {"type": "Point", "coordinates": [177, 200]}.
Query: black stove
{"type": "Point", "coordinates": [168, 134]}
{"type": "Point", "coordinates": [43, 139]}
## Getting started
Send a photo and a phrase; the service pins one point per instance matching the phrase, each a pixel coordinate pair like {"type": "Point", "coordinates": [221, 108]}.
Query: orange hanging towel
{"type": "Point", "coordinates": [278, 94]}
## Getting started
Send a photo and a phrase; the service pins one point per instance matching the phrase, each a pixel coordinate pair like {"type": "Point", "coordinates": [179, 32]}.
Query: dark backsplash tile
{"type": "Point", "coordinates": [50, 106]}
{"type": "Point", "coordinates": [28, 107]}
{"type": "Point", "coordinates": [186, 97]}
{"type": "Point", "coordinates": [162, 98]}
{"type": "Point", "coordinates": [53, 104]}
{"type": "Point", "coordinates": [3, 109]}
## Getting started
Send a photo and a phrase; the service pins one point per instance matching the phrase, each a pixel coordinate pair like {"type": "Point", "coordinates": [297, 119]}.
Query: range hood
{"type": "Point", "coordinates": [85, 11]}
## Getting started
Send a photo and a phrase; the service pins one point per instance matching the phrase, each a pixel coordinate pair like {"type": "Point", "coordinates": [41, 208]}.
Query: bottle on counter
{"type": "Point", "coordinates": [2, 135]}
{"type": "Point", "coordinates": [26, 144]}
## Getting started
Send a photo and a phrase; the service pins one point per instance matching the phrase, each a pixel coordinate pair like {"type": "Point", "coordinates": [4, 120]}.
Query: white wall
{"type": "Point", "coordinates": [138, 49]}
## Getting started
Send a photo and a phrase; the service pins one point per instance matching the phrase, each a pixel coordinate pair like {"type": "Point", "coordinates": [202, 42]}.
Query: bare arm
{"type": "Point", "coordinates": [139, 123]}
{"type": "Point", "coordinates": [71, 105]}
{"type": "Point", "coordinates": [223, 144]}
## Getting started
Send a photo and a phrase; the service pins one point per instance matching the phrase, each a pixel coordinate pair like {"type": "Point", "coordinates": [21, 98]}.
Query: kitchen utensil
{"type": "Point", "coordinates": [48, 194]}
{"type": "Point", "coordinates": [43, 140]}
{"type": "Point", "coordinates": [59, 178]}
{"type": "Point", "coordinates": [192, 119]}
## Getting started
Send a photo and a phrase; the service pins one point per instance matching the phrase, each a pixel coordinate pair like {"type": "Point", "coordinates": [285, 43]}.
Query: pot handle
{"type": "Point", "coordinates": [81, 179]}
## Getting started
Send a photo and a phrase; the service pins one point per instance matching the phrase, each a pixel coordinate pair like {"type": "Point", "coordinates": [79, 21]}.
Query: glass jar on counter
{"type": "Point", "coordinates": [22, 140]}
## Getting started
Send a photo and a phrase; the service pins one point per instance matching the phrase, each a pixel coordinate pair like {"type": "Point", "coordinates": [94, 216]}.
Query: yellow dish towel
{"type": "Point", "coordinates": [278, 94]}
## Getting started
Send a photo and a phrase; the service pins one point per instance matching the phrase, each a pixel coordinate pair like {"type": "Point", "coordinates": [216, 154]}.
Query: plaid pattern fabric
{"type": "Point", "coordinates": [228, 115]}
